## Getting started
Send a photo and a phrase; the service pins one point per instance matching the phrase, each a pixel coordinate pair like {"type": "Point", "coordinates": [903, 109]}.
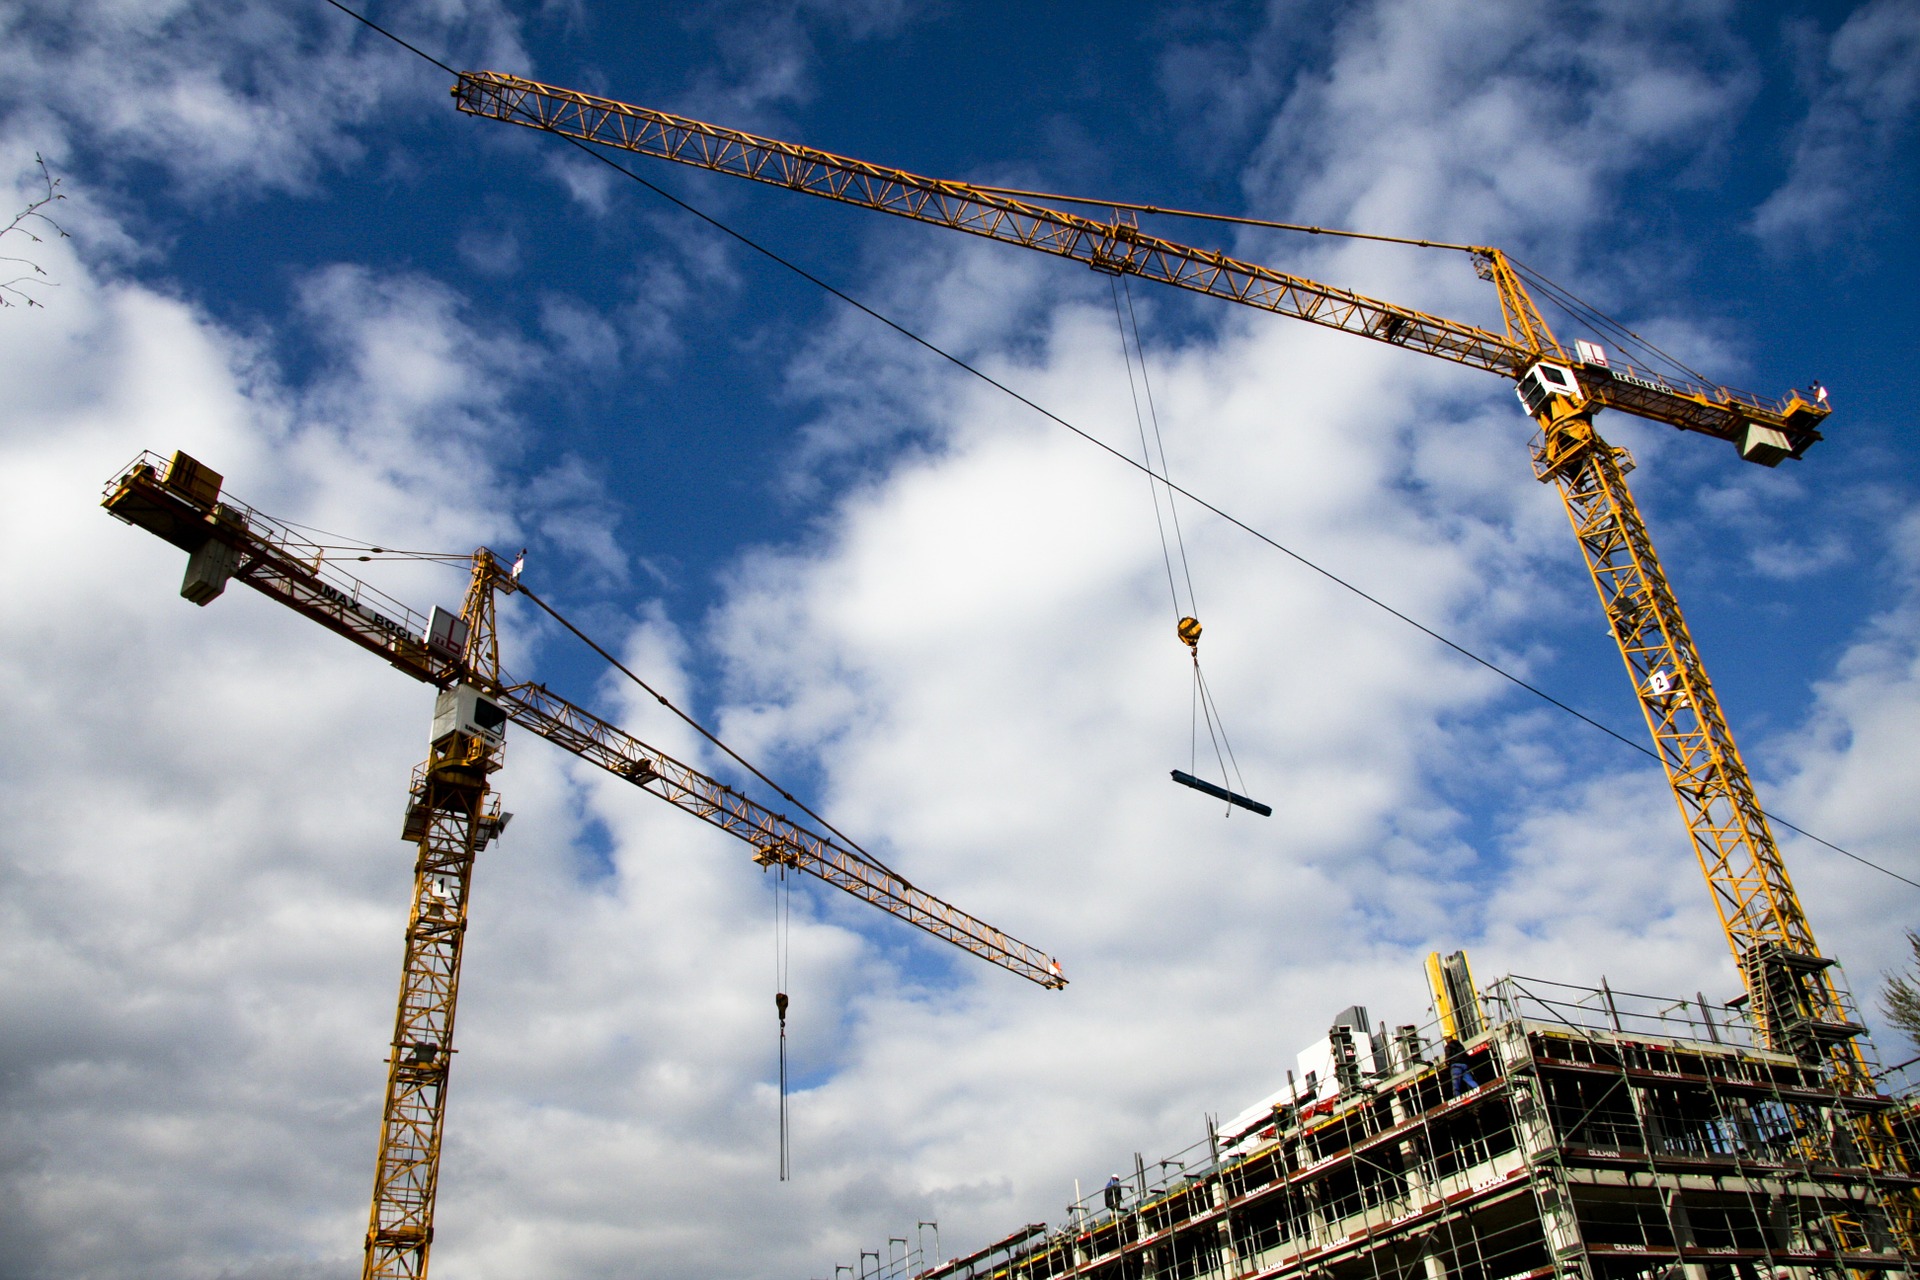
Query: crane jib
{"type": "Point", "coordinates": [1118, 247]}
{"type": "Point", "coordinates": [540, 710]}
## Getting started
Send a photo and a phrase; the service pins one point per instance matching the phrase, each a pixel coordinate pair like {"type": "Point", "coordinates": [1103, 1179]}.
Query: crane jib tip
{"type": "Point", "coordinates": [1221, 793]}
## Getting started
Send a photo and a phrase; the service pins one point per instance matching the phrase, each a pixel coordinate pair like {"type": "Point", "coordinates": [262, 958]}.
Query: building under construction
{"type": "Point", "coordinates": [1589, 1134]}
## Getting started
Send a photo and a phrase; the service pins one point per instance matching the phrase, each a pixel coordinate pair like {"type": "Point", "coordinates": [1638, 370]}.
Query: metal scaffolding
{"type": "Point", "coordinates": [1603, 1136]}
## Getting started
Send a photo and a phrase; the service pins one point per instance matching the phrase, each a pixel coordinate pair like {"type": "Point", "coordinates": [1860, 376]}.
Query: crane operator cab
{"type": "Point", "coordinates": [464, 709]}
{"type": "Point", "coordinates": [1544, 381]}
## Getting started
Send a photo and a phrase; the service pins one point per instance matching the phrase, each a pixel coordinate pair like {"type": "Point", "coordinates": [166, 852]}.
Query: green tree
{"type": "Point", "coordinates": [1900, 998]}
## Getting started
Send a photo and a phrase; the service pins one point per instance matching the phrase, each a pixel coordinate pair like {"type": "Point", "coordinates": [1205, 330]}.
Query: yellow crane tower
{"type": "Point", "coordinates": [1796, 995]}
{"type": "Point", "coordinates": [452, 814]}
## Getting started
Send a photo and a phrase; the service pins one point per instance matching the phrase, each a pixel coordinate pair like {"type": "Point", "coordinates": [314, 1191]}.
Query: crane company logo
{"type": "Point", "coordinates": [1637, 381]}
{"type": "Point", "coordinates": [347, 604]}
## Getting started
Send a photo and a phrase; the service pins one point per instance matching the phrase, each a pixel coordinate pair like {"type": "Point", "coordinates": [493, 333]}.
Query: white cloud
{"type": "Point", "coordinates": [1848, 775]}
{"type": "Point", "coordinates": [491, 251]}
{"type": "Point", "coordinates": [580, 333]}
{"type": "Point", "coordinates": [976, 644]}
{"type": "Point", "coordinates": [671, 286]}
{"type": "Point", "coordinates": [1863, 86]}
{"type": "Point", "coordinates": [765, 58]}
{"type": "Point", "coordinates": [1505, 124]}
{"type": "Point", "coordinates": [589, 182]}
{"type": "Point", "coordinates": [970, 649]}
{"type": "Point", "coordinates": [224, 98]}
{"type": "Point", "coordinates": [203, 877]}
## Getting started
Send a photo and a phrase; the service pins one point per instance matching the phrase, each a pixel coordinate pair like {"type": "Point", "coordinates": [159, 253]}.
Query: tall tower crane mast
{"type": "Point", "coordinates": [452, 814]}
{"type": "Point", "coordinates": [1795, 992]}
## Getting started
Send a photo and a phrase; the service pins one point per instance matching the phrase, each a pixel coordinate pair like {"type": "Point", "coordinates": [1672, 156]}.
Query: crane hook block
{"type": "Point", "coordinates": [1221, 793]}
{"type": "Point", "coordinates": [1189, 630]}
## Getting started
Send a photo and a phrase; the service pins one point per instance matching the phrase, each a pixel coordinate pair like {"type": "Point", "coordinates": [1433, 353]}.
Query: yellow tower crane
{"type": "Point", "coordinates": [452, 814]}
{"type": "Point", "coordinates": [1796, 995]}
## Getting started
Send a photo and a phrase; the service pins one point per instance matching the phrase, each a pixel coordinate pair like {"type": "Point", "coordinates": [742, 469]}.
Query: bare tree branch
{"type": "Point", "coordinates": [18, 289]}
{"type": "Point", "coordinates": [1900, 998]}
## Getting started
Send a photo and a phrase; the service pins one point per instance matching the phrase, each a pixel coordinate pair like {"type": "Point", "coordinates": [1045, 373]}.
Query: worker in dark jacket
{"type": "Point", "coordinates": [1113, 1194]}
{"type": "Point", "coordinates": [1459, 1077]}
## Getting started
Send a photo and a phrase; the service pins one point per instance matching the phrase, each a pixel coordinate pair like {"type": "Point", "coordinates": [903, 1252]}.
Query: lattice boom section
{"type": "Point", "coordinates": [1796, 992]}
{"type": "Point", "coordinates": [1113, 247]}
{"type": "Point", "coordinates": [777, 838]}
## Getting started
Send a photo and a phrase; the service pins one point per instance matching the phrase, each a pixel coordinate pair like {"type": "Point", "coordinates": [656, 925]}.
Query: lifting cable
{"type": "Point", "coordinates": [977, 372]}
{"type": "Point", "coordinates": [782, 887]}
{"type": "Point", "coordinates": [1187, 620]}
{"type": "Point", "coordinates": [782, 940]}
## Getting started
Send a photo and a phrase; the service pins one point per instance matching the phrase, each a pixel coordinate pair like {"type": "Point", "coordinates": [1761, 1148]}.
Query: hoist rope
{"type": "Point", "coordinates": [347, 543]}
{"type": "Point", "coordinates": [1591, 315]}
{"type": "Point", "coordinates": [1574, 306]}
{"type": "Point", "coordinates": [1153, 415]}
{"type": "Point", "coordinates": [1237, 220]}
{"type": "Point", "coordinates": [1153, 480]}
{"type": "Point", "coordinates": [1203, 705]}
{"type": "Point", "coordinates": [973, 370]}
{"type": "Point", "coordinates": [782, 944]}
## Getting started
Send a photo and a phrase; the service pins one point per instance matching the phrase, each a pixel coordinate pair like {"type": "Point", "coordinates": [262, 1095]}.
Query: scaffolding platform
{"type": "Point", "coordinates": [1605, 1136]}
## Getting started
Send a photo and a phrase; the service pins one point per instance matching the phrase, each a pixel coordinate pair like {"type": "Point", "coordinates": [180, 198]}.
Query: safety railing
{"type": "Point", "coordinates": [311, 557]}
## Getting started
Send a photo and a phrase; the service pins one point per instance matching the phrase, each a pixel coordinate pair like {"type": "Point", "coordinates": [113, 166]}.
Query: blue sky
{"type": "Point", "coordinates": [937, 614]}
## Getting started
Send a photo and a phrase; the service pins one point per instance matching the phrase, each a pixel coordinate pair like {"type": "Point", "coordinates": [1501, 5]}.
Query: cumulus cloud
{"type": "Point", "coordinates": [223, 98]}
{"type": "Point", "coordinates": [1526, 117]}
{"type": "Point", "coordinates": [1846, 773]}
{"type": "Point", "coordinates": [766, 61]}
{"type": "Point", "coordinates": [976, 646]}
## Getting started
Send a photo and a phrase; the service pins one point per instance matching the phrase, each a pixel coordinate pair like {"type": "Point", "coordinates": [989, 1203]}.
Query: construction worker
{"type": "Point", "coordinates": [1459, 1078]}
{"type": "Point", "coordinates": [1113, 1194]}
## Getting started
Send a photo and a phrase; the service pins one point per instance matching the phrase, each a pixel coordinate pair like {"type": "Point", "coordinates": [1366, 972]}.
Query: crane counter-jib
{"type": "Point", "coordinates": [179, 501]}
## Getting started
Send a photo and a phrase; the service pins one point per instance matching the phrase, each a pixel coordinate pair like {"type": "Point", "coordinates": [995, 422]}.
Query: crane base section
{"type": "Point", "coordinates": [1221, 793]}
